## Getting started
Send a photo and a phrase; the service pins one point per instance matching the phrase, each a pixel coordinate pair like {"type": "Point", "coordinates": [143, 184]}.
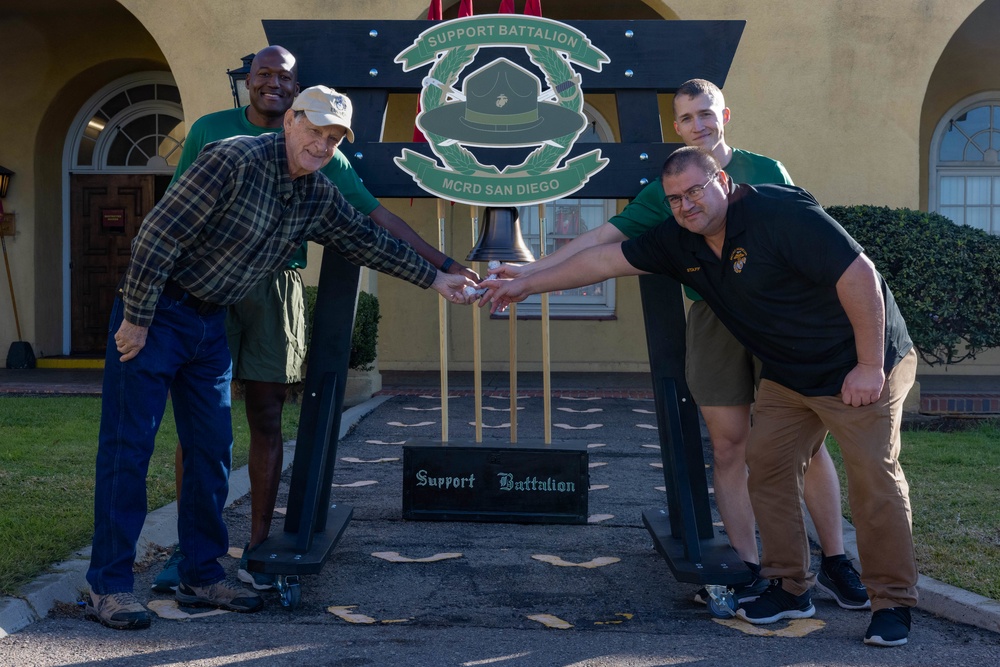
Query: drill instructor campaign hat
{"type": "Point", "coordinates": [325, 106]}
{"type": "Point", "coordinates": [501, 108]}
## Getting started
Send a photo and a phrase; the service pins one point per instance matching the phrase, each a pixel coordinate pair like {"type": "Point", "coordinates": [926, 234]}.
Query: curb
{"type": "Point", "coordinates": [67, 582]}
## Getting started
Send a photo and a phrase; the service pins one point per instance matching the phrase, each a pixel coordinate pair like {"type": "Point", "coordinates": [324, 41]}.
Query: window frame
{"type": "Point", "coordinates": [988, 167]}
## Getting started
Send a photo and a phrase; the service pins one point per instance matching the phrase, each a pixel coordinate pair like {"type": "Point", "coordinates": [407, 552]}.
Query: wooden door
{"type": "Point", "coordinates": [106, 210]}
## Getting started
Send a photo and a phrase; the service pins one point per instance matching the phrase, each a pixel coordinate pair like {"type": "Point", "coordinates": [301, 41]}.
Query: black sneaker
{"type": "Point", "coordinates": [838, 578]}
{"type": "Point", "coordinates": [889, 627]}
{"type": "Point", "coordinates": [775, 604]}
{"type": "Point", "coordinates": [744, 592]}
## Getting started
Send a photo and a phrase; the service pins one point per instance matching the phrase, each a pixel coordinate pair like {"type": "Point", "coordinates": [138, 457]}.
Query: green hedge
{"type": "Point", "coordinates": [364, 340]}
{"type": "Point", "coordinates": [945, 277]}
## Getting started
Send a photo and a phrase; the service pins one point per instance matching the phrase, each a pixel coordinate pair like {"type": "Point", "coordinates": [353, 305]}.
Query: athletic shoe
{"type": "Point", "coordinates": [889, 627]}
{"type": "Point", "coordinates": [168, 578]}
{"type": "Point", "coordinates": [121, 611]}
{"type": "Point", "coordinates": [743, 592]}
{"type": "Point", "coordinates": [259, 580]}
{"type": "Point", "coordinates": [222, 595]}
{"type": "Point", "coordinates": [775, 604]}
{"type": "Point", "coordinates": [838, 577]}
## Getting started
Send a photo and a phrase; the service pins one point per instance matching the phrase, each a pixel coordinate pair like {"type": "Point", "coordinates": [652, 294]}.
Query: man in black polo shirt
{"type": "Point", "coordinates": [800, 294]}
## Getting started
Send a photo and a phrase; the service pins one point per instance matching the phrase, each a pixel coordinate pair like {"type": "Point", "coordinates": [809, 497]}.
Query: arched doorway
{"type": "Point", "coordinates": [120, 154]}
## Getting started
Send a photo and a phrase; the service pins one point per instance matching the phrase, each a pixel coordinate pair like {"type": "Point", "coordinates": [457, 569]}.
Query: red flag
{"type": "Point", "coordinates": [533, 8]}
{"type": "Point", "coordinates": [433, 14]}
{"type": "Point", "coordinates": [506, 7]}
{"type": "Point", "coordinates": [465, 9]}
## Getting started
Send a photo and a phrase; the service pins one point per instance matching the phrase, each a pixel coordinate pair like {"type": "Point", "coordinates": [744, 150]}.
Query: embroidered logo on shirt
{"type": "Point", "coordinates": [739, 259]}
{"type": "Point", "coordinates": [692, 269]}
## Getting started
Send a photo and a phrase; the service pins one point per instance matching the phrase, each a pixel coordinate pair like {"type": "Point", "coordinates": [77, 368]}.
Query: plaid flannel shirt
{"type": "Point", "coordinates": [236, 216]}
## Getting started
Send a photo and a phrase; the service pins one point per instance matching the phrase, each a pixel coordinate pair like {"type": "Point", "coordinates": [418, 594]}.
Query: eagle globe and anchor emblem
{"type": "Point", "coordinates": [501, 105]}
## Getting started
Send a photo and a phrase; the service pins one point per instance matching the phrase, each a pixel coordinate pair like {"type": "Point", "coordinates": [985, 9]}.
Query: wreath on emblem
{"type": "Point", "coordinates": [559, 76]}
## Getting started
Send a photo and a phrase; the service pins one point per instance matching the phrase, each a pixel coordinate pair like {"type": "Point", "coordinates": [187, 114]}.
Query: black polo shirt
{"type": "Point", "coordinates": [775, 286]}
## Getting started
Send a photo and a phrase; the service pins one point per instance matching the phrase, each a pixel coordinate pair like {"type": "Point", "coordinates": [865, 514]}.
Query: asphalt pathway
{"type": "Point", "coordinates": [422, 593]}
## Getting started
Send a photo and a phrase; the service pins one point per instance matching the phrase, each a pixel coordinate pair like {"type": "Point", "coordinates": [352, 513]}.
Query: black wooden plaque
{"type": "Point", "coordinates": [524, 482]}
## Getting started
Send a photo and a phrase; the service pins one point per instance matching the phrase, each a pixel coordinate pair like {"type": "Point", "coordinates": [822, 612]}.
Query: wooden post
{"type": "Point", "coordinates": [513, 372]}
{"type": "Point", "coordinates": [443, 332]}
{"type": "Point", "coordinates": [477, 348]}
{"type": "Point", "coordinates": [546, 361]}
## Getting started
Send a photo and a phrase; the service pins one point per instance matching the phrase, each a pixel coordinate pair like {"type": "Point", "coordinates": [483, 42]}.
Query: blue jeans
{"type": "Point", "coordinates": [185, 354]}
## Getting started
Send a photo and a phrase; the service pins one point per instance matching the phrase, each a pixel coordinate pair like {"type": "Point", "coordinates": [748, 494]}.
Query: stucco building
{"type": "Point", "coordinates": [886, 102]}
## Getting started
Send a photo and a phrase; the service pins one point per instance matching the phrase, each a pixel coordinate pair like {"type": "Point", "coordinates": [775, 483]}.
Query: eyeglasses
{"type": "Point", "coordinates": [693, 194]}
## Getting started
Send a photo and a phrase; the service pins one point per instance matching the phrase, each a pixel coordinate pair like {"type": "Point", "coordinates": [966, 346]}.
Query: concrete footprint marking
{"type": "Point", "coordinates": [596, 444]}
{"type": "Point", "coordinates": [656, 465]}
{"type": "Point", "coordinates": [643, 411]}
{"type": "Point", "coordinates": [597, 518]}
{"type": "Point", "coordinates": [395, 557]}
{"type": "Point", "coordinates": [597, 464]}
{"type": "Point", "coordinates": [504, 425]}
{"type": "Point", "coordinates": [587, 411]}
{"type": "Point", "coordinates": [578, 428]}
{"type": "Point", "coordinates": [410, 425]}
{"type": "Point", "coordinates": [506, 398]}
{"type": "Point", "coordinates": [353, 459]}
{"type": "Point", "coordinates": [651, 427]}
{"type": "Point", "coordinates": [486, 407]}
{"type": "Point", "coordinates": [600, 561]}
{"type": "Point", "coordinates": [799, 627]}
{"type": "Point", "coordinates": [438, 408]}
{"type": "Point", "coordinates": [598, 487]}
{"type": "Point", "coordinates": [580, 398]}
{"type": "Point", "coordinates": [550, 621]}
{"type": "Point", "coordinates": [619, 621]}
{"type": "Point", "coordinates": [281, 510]}
{"type": "Point", "coordinates": [660, 488]}
{"type": "Point", "coordinates": [383, 442]}
{"type": "Point", "coordinates": [170, 610]}
{"type": "Point", "coordinates": [438, 398]}
{"type": "Point", "coordinates": [354, 485]}
{"type": "Point", "coordinates": [346, 614]}
{"type": "Point", "coordinates": [651, 446]}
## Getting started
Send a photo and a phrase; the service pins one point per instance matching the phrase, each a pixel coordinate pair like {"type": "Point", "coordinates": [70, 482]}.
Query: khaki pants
{"type": "Point", "coordinates": [786, 427]}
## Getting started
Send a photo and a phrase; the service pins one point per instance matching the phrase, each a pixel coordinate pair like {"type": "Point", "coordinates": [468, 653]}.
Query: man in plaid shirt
{"type": "Point", "coordinates": [237, 215]}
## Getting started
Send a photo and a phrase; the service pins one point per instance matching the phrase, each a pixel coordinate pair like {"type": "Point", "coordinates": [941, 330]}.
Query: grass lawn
{"type": "Point", "coordinates": [47, 452]}
{"type": "Point", "coordinates": [956, 508]}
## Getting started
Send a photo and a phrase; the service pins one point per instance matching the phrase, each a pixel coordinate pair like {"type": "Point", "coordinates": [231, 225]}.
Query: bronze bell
{"type": "Point", "coordinates": [500, 237]}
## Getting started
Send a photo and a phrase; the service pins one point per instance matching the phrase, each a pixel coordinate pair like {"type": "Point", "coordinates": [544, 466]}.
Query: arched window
{"type": "Point", "coordinates": [565, 219]}
{"type": "Point", "coordinates": [135, 124]}
{"type": "Point", "coordinates": [964, 182]}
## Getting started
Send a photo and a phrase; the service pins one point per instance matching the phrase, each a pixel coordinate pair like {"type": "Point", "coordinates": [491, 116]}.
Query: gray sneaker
{"type": "Point", "coordinates": [222, 595]}
{"type": "Point", "coordinates": [121, 611]}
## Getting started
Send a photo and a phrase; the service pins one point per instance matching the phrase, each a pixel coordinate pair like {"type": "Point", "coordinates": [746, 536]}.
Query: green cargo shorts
{"type": "Point", "coordinates": [718, 369]}
{"type": "Point", "coordinates": [267, 330]}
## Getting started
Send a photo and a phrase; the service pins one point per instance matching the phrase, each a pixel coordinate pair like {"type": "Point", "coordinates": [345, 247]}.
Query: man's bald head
{"type": "Point", "coordinates": [273, 83]}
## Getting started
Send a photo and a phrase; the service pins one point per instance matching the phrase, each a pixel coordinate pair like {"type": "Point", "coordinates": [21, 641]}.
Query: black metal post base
{"type": "Point", "coordinates": [279, 554]}
{"type": "Point", "coordinates": [718, 563]}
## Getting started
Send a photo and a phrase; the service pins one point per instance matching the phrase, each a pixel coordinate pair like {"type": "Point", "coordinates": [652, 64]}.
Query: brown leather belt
{"type": "Point", "coordinates": [172, 290]}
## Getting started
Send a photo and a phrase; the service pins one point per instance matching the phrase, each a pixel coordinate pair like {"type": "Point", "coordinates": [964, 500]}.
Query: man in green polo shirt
{"type": "Point", "coordinates": [719, 371]}
{"type": "Point", "coordinates": [266, 330]}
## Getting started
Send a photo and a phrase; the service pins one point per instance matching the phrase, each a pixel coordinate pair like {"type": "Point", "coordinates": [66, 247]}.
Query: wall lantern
{"type": "Point", "coordinates": [238, 82]}
{"type": "Point", "coordinates": [6, 219]}
{"type": "Point", "coordinates": [5, 175]}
